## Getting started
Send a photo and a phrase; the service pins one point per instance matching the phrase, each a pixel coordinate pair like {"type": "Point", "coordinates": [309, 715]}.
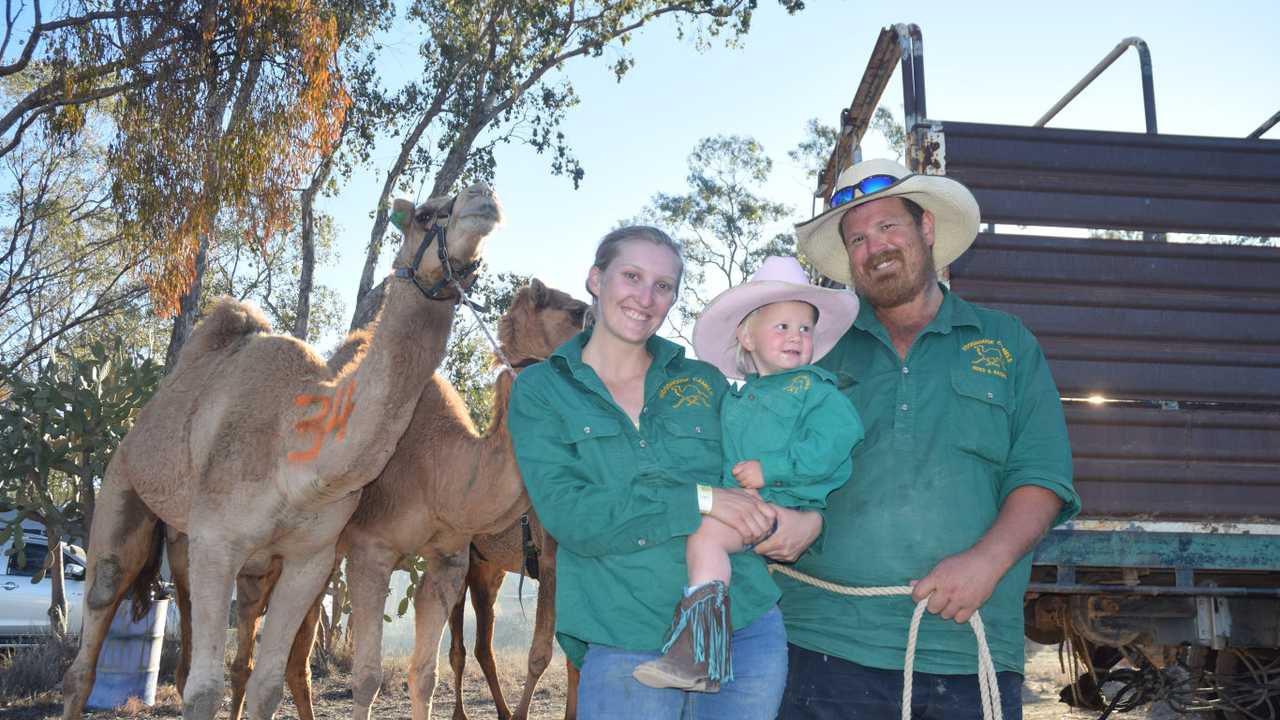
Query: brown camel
{"type": "Point", "coordinates": [254, 449]}
{"type": "Point", "coordinates": [492, 557]}
{"type": "Point", "coordinates": [445, 484]}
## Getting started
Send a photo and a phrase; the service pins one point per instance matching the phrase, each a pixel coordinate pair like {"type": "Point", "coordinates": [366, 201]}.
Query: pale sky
{"type": "Point", "coordinates": [1216, 70]}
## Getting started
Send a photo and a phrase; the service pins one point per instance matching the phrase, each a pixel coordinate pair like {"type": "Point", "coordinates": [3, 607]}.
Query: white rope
{"type": "Point", "coordinates": [987, 684]}
{"type": "Point", "coordinates": [497, 350]}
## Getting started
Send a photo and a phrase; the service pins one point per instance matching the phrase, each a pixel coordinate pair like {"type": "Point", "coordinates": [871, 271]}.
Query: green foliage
{"type": "Point", "coordinates": [893, 131]}
{"type": "Point", "coordinates": [815, 149]}
{"type": "Point", "coordinates": [723, 220]}
{"type": "Point", "coordinates": [59, 429]}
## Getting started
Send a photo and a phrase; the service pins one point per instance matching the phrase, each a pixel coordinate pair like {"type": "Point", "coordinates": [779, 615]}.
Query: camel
{"type": "Point", "coordinates": [254, 449]}
{"type": "Point", "coordinates": [492, 557]}
{"type": "Point", "coordinates": [444, 485]}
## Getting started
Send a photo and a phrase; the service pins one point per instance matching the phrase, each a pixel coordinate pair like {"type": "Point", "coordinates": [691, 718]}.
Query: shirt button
{"type": "Point", "coordinates": [991, 396]}
{"type": "Point", "coordinates": [643, 444]}
{"type": "Point", "coordinates": [587, 430]}
{"type": "Point", "coordinates": [905, 407]}
{"type": "Point", "coordinates": [697, 428]}
{"type": "Point", "coordinates": [906, 370]}
{"type": "Point", "coordinates": [640, 542]}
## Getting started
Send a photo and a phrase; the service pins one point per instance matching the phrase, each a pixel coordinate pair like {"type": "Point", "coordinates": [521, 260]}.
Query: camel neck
{"type": "Point", "coordinates": [379, 395]}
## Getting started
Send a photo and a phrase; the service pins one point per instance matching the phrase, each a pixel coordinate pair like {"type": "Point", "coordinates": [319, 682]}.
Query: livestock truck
{"type": "Point", "coordinates": [1166, 351]}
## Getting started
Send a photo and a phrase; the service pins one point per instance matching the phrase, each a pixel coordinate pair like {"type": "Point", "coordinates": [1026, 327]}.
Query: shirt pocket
{"type": "Point", "coordinates": [598, 441]}
{"type": "Point", "coordinates": [983, 413]}
{"type": "Point", "coordinates": [694, 446]}
{"type": "Point", "coordinates": [776, 428]}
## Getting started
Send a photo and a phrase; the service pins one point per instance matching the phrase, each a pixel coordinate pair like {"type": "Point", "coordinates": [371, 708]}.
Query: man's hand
{"type": "Point", "coordinates": [749, 474]}
{"type": "Point", "coordinates": [960, 584]}
{"type": "Point", "coordinates": [797, 529]}
{"type": "Point", "coordinates": [744, 511]}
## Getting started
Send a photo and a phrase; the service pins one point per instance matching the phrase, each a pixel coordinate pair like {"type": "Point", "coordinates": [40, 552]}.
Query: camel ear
{"type": "Point", "coordinates": [539, 292]}
{"type": "Point", "coordinates": [402, 214]}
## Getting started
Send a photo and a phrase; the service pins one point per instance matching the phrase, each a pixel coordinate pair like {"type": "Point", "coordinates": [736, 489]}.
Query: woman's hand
{"type": "Point", "coordinates": [744, 511]}
{"type": "Point", "coordinates": [797, 529]}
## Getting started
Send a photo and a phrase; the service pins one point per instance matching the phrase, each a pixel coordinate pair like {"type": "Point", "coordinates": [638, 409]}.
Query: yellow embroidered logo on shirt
{"type": "Point", "coordinates": [798, 384]}
{"type": "Point", "coordinates": [989, 357]}
{"type": "Point", "coordinates": [688, 392]}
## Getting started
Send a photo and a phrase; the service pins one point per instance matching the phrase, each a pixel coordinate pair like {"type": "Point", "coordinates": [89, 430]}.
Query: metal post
{"type": "Point", "coordinates": [1148, 87]}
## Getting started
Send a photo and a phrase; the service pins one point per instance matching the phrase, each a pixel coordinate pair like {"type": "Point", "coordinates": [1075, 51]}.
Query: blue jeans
{"type": "Point", "coordinates": [822, 687]}
{"type": "Point", "coordinates": [607, 690]}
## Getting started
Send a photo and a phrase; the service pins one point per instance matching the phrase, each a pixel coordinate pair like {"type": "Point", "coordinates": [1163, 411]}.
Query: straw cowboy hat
{"type": "Point", "coordinates": [779, 279]}
{"type": "Point", "coordinates": [955, 214]}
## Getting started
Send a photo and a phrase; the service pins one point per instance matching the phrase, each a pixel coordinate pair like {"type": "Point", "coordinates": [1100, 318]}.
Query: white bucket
{"type": "Point", "coordinates": [129, 664]}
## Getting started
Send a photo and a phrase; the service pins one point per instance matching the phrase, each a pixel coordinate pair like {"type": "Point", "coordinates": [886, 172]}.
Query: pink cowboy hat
{"type": "Point", "coordinates": [779, 279]}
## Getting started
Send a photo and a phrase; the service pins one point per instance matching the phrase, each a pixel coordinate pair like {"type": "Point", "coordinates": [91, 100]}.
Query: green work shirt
{"type": "Point", "coordinates": [800, 428]}
{"type": "Point", "coordinates": [970, 415]}
{"type": "Point", "coordinates": [620, 500]}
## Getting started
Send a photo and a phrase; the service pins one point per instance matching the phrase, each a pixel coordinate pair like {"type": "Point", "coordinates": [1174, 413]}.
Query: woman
{"type": "Point", "coordinates": [614, 433]}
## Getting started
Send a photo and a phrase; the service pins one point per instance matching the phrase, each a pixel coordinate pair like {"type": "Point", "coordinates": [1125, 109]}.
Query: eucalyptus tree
{"type": "Point", "coordinates": [487, 78]}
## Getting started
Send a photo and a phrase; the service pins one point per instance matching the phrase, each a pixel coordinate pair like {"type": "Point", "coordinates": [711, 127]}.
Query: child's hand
{"type": "Point", "coordinates": [749, 474]}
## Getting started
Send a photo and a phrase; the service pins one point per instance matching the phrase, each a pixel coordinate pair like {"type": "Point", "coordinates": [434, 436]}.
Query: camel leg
{"type": "Point", "coordinates": [484, 593]}
{"type": "Point", "coordinates": [176, 546]}
{"type": "Point", "coordinates": [439, 590]}
{"type": "Point", "coordinates": [572, 675]}
{"type": "Point", "coordinates": [458, 651]}
{"type": "Point", "coordinates": [301, 580]}
{"type": "Point", "coordinates": [252, 594]}
{"type": "Point", "coordinates": [368, 575]}
{"type": "Point", "coordinates": [216, 566]}
{"type": "Point", "coordinates": [298, 673]}
{"type": "Point", "coordinates": [120, 543]}
{"type": "Point", "coordinates": [544, 628]}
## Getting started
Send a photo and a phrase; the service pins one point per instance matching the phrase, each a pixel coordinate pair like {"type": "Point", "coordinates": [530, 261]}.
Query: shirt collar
{"type": "Point", "coordinates": [569, 355]}
{"type": "Point", "coordinates": [952, 313]}
{"type": "Point", "coordinates": [820, 372]}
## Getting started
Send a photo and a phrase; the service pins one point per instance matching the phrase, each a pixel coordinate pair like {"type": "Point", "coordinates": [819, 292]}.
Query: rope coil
{"type": "Point", "coordinates": [991, 709]}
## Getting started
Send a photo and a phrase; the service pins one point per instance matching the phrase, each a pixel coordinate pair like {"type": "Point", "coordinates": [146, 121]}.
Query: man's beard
{"type": "Point", "coordinates": [902, 288]}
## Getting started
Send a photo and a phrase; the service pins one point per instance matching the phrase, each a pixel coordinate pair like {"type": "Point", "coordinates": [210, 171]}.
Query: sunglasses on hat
{"type": "Point", "coordinates": [865, 186]}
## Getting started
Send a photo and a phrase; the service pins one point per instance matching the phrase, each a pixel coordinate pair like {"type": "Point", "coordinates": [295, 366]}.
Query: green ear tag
{"type": "Point", "coordinates": [398, 219]}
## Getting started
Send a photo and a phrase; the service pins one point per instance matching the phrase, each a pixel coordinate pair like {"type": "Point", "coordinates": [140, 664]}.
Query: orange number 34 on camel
{"type": "Point", "coordinates": [332, 415]}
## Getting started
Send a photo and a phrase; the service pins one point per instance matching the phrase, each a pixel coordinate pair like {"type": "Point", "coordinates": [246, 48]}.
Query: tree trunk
{"type": "Point", "coordinates": [303, 316]}
{"type": "Point", "coordinates": [189, 307]}
{"type": "Point", "coordinates": [57, 586]}
{"type": "Point", "coordinates": [381, 218]}
{"type": "Point", "coordinates": [88, 496]}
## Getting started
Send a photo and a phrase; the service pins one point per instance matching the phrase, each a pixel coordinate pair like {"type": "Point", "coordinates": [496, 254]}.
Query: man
{"type": "Point", "coordinates": [964, 467]}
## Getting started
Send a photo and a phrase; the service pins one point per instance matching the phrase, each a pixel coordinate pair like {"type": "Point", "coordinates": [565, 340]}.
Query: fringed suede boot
{"type": "Point", "coordinates": [698, 654]}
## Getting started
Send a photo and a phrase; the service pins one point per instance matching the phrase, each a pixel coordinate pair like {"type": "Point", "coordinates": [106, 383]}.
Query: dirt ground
{"type": "Point", "coordinates": [333, 695]}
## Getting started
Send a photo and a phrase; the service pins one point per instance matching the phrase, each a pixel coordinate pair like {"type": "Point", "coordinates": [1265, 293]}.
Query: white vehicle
{"type": "Point", "coordinates": [24, 605]}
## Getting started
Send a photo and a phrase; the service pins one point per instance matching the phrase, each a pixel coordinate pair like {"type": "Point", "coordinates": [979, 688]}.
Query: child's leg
{"type": "Point", "coordinates": [707, 552]}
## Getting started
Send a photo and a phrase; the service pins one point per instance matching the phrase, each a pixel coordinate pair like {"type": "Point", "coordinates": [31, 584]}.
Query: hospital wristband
{"type": "Point", "coordinates": [705, 498]}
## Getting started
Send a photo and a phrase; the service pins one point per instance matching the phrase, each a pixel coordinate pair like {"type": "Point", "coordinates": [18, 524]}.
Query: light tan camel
{"type": "Point", "coordinates": [492, 557]}
{"type": "Point", "coordinates": [254, 449]}
{"type": "Point", "coordinates": [445, 484]}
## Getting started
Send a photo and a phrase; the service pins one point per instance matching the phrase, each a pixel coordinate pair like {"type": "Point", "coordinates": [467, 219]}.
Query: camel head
{"type": "Point", "coordinates": [462, 222]}
{"type": "Point", "coordinates": [539, 320]}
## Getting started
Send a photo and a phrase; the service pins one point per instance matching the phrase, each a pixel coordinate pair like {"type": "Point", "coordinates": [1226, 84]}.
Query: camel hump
{"type": "Point", "coordinates": [351, 349]}
{"type": "Point", "coordinates": [229, 321]}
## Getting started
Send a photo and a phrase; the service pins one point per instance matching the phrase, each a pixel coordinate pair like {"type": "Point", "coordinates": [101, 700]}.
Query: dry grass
{"type": "Point", "coordinates": [29, 672]}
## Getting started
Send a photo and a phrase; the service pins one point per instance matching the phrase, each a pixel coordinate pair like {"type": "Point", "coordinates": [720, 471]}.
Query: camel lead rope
{"type": "Point", "coordinates": [497, 351]}
{"type": "Point", "coordinates": [987, 683]}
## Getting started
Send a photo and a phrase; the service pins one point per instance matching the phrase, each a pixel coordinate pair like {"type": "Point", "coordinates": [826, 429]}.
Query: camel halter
{"type": "Point", "coordinates": [439, 236]}
{"type": "Point", "coordinates": [991, 709]}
